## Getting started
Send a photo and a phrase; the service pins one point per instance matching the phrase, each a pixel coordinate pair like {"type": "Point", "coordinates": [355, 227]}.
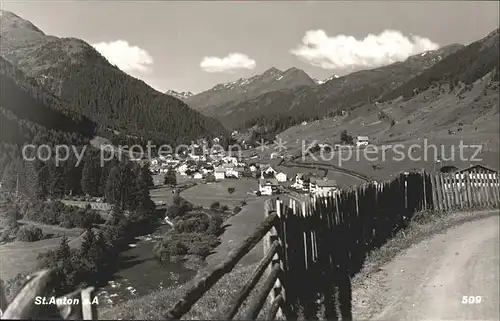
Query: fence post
{"type": "Point", "coordinates": [278, 258]}
{"type": "Point", "coordinates": [486, 188]}
{"type": "Point", "coordinates": [446, 195]}
{"type": "Point", "coordinates": [468, 190]}
{"type": "Point", "coordinates": [456, 190]}
{"type": "Point", "coordinates": [406, 193]}
{"type": "Point", "coordinates": [306, 256]}
{"type": "Point", "coordinates": [463, 195]}
{"type": "Point", "coordinates": [494, 182]}
{"type": "Point", "coordinates": [451, 191]}
{"type": "Point", "coordinates": [424, 187]}
{"type": "Point", "coordinates": [439, 192]}
{"type": "Point", "coordinates": [3, 299]}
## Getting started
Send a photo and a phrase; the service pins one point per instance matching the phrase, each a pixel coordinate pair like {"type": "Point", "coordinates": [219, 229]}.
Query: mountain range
{"type": "Point", "coordinates": [246, 102]}
{"type": "Point", "coordinates": [86, 83]}
{"type": "Point", "coordinates": [273, 79]}
{"type": "Point", "coordinates": [79, 83]}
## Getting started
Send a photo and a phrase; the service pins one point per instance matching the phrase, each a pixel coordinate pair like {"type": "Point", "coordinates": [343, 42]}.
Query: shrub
{"type": "Point", "coordinates": [230, 190]}
{"type": "Point", "coordinates": [243, 203]}
{"type": "Point", "coordinates": [448, 169]}
{"type": "Point", "coordinates": [12, 217]}
{"type": "Point", "coordinates": [215, 206]}
{"type": "Point", "coordinates": [346, 138]}
{"type": "Point", "coordinates": [236, 210]}
{"type": "Point", "coordinates": [9, 234]}
{"type": "Point", "coordinates": [176, 247]}
{"type": "Point", "coordinates": [170, 178]}
{"type": "Point", "coordinates": [210, 178]}
{"type": "Point", "coordinates": [27, 233]}
{"type": "Point", "coordinates": [193, 224]}
{"type": "Point", "coordinates": [214, 225]}
{"type": "Point", "coordinates": [186, 243]}
{"type": "Point", "coordinates": [224, 208]}
{"type": "Point", "coordinates": [13, 285]}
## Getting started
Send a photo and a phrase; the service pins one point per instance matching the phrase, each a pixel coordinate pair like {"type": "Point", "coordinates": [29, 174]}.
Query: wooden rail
{"type": "Point", "coordinates": [207, 278]}
{"type": "Point", "coordinates": [41, 285]}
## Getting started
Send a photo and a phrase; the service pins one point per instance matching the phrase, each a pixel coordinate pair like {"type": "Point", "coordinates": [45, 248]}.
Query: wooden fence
{"type": "Point", "coordinates": [312, 248]}
{"type": "Point", "coordinates": [465, 190]}
{"type": "Point", "coordinates": [205, 279]}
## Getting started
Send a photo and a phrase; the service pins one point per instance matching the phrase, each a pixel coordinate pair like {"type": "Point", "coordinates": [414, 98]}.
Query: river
{"type": "Point", "coordinates": [142, 273]}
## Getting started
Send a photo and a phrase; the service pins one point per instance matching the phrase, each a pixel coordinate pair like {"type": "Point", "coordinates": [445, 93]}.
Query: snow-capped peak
{"type": "Point", "coordinates": [179, 95]}
{"type": "Point", "coordinates": [319, 82]}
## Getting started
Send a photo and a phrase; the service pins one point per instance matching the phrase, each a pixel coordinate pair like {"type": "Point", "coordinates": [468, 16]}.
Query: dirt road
{"type": "Point", "coordinates": [430, 280]}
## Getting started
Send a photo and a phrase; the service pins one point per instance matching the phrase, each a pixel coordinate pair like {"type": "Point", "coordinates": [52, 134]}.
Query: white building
{"type": "Point", "coordinates": [182, 169]}
{"type": "Point", "coordinates": [281, 177]}
{"type": "Point", "coordinates": [268, 186]}
{"type": "Point", "coordinates": [232, 172]}
{"type": "Point", "coordinates": [252, 168]}
{"type": "Point", "coordinates": [301, 182]}
{"type": "Point", "coordinates": [322, 187]}
{"type": "Point", "coordinates": [220, 173]}
{"type": "Point", "coordinates": [362, 141]}
{"type": "Point", "coordinates": [230, 160]}
{"type": "Point", "coordinates": [268, 170]}
{"type": "Point", "coordinates": [197, 175]}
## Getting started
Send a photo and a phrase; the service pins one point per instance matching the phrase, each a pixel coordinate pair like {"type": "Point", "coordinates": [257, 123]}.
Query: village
{"type": "Point", "coordinates": [198, 166]}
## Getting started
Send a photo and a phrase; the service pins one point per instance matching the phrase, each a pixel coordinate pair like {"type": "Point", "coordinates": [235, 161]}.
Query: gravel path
{"type": "Point", "coordinates": [430, 280]}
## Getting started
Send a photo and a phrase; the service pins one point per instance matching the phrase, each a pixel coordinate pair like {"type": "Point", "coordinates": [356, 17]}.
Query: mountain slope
{"type": "Point", "coordinates": [26, 111]}
{"type": "Point", "coordinates": [454, 101]}
{"type": "Point", "coordinates": [75, 72]}
{"type": "Point", "coordinates": [279, 109]}
{"type": "Point", "coordinates": [245, 88]}
{"type": "Point", "coordinates": [466, 65]}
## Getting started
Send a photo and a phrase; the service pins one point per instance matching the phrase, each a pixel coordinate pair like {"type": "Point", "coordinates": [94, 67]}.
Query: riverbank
{"type": "Point", "coordinates": [141, 272]}
{"type": "Point", "coordinates": [237, 227]}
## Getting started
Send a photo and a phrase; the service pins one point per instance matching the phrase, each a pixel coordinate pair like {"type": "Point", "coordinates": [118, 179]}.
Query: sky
{"type": "Point", "coordinates": [194, 45]}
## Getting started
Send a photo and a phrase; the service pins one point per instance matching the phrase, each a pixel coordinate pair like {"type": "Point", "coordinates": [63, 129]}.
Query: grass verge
{"type": "Point", "coordinates": [155, 305]}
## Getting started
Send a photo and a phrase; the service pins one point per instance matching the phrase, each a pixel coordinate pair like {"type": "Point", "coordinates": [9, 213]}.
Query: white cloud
{"type": "Point", "coordinates": [341, 51]}
{"type": "Point", "coordinates": [126, 57]}
{"type": "Point", "coordinates": [227, 64]}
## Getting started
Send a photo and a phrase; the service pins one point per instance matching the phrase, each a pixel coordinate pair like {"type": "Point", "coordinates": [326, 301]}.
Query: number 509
{"type": "Point", "coordinates": [471, 299]}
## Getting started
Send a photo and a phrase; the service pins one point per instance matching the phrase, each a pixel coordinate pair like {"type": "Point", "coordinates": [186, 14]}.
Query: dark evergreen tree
{"type": "Point", "coordinates": [91, 173]}
{"type": "Point", "coordinates": [146, 175]}
{"type": "Point", "coordinates": [170, 178]}
{"type": "Point", "coordinates": [57, 181]}
{"type": "Point", "coordinates": [9, 178]}
{"type": "Point", "coordinates": [34, 188]}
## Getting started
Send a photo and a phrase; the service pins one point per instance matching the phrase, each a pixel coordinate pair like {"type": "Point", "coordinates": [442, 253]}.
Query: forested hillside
{"type": "Point", "coordinates": [27, 110]}
{"type": "Point", "coordinates": [89, 85]}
